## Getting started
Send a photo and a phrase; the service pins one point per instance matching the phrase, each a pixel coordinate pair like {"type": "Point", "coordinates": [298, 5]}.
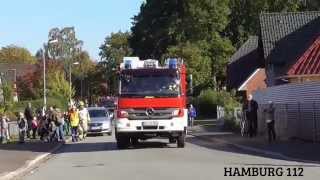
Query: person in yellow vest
{"type": "Point", "coordinates": [84, 120]}
{"type": "Point", "coordinates": [74, 123]}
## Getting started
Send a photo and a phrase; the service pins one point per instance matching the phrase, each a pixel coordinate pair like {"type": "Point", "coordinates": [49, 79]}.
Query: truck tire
{"type": "Point", "coordinates": [123, 142]}
{"type": "Point", "coordinates": [181, 141]}
{"type": "Point", "coordinates": [172, 140]}
{"type": "Point", "coordinates": [134, 141]}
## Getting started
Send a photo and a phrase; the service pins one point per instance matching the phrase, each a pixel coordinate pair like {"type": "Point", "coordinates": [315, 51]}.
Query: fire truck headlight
{"type": "Point", "coordinates": [177, 113]}
{"type": "Point", "coordinates": [122, 114]}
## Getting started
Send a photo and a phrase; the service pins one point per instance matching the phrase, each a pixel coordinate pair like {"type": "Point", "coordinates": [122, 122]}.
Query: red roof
{"type": "Point", "coordinates": [309, 62]}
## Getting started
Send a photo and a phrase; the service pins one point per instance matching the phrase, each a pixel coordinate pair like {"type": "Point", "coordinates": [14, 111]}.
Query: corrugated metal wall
{"type": "Point", "coordinates": [297, 110]}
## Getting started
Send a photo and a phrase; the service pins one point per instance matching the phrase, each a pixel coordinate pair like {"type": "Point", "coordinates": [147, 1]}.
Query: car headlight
{"type": "Point", "coordinates": [106, 125]}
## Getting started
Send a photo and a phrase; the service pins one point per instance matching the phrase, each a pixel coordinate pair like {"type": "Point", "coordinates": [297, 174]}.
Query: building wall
{"type": "Point", "coordinates": [304, 79]}
{"type": "Point", "coordinates": [256, 81]}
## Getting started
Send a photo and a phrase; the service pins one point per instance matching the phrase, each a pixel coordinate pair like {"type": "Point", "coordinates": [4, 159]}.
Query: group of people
{"type": "Point", "coordinates": [249, 125]}
{"type": "Point", "coordinates": [50, 125]}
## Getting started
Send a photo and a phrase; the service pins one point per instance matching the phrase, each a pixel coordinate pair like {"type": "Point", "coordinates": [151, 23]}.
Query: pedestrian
{"type": "Point", "coordinates": [23, 127]}
{"type": "Point", "coordinates": [66, 126]}
{"type": "Point", "coordinates": [28, 114]}
{"type": "Point", "coordinates": [250, 109]}
{"type": "Point", "coordinates": [270, 121]}
{"type": "Point", "coordinates": [42, 127]}
{"type": "Point", "coordinates": [192, 114]}
{"type": "Point", "coordinates": [59, 123]}
{"type": "Point", "coordinates": [84, 119]}
{"type": "Point", "coordinates": [74, 122]}
{"type": "Point", "coordinates": [34, 127]}
{"type": "Point", "coordinates": [4, 128]}
{"type": "Point", "coordinates": [51, 124]}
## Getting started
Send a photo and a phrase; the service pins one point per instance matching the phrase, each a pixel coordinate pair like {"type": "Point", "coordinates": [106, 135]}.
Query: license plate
{"type": "Point", "coordinates": [150, 123]}
{"type": "Point", "coordinates": [95, 128]}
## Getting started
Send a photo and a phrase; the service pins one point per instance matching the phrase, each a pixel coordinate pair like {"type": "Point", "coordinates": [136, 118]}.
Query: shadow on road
{"type": "Point", "coordinates": [108, 146]}
{"type": "Point", "coordinates": [84, 146]}
{"type": "Point", "coordinates": [219, 146]}
{"type": "Point", "coordinates": [34, 146]}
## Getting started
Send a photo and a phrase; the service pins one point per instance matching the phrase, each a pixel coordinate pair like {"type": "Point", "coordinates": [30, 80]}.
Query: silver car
{"type": "Point", "coordinates": [101, 122]}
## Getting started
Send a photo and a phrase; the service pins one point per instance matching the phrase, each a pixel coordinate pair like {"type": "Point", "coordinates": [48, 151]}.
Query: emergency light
{"type": "Point", "coordinates": [151, 63]}
{"type": "Point", "coordinates": [172, 63]}
{"type": "Point", "coordinates": [130, 63]}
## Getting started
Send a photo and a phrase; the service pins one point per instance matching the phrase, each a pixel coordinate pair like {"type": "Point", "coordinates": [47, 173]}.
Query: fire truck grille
{"type": "Point", "coordinates": [150, 114]}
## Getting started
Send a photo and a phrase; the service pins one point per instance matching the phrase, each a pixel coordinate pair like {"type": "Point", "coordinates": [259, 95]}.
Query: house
{"type": "Point", "coordinates": [10, 73]}
{"type": "Point", "coordinates": [291, 46]}
{"type": "Point", "coordinates": [245, 70]}
{"type": "Point", "coordinates": [286, 51]}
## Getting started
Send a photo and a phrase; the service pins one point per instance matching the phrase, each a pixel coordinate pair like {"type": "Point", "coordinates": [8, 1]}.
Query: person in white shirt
{"type": "Point", "coordinates": [4, 128]}
{"type": "Point", "coordinates": [84, 119]}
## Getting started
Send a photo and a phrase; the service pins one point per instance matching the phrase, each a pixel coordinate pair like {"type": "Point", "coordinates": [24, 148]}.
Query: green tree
{"type": "Point", "coordinates": [81, 73]}
{"type": "Point", "coordinates": [112, 51]}
{"type": "Point", "coordinates": [85, 65]}
{"type": "Point", "coordinates": [154, 27]}
{"type": "Point", "coordinates": [58, 87]}
{"type": "Point", "coordinates": [8, 92]}
{"type": "Point", "coordinates": [198, 63]}
{"type": "Point", "coordinates": [63, 43]}
{"type": "Point", "coordinates": [244, 17]}
{"type": "Point", "coordinates": [64, 46]}
{"type": "Point", "coordinates": [169, 26]}
{"type": "Point", "coordinates": [15, 54]}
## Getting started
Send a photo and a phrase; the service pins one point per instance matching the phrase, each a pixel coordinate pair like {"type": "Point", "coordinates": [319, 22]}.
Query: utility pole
{"type": "Point", "coordinates": [44, 79]}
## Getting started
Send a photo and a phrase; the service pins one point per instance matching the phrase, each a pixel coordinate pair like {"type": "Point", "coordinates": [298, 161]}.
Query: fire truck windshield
{"type": "Point", "coordinates": [150, 85]}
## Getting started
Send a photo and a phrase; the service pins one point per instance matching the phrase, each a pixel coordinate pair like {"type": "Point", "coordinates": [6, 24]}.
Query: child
{"type": "Point", "coordinates": [34, 126]}
{"type": "Point", "coordinates": [22, 125]}
{"type": "Point", "coordinates": [4, 128]}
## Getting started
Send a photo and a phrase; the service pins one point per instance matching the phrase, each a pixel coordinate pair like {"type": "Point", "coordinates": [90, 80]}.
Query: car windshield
{"type": "Point", "coordinates": [154, 85]}
{"type": "Point", "coordinates": [97, 113]}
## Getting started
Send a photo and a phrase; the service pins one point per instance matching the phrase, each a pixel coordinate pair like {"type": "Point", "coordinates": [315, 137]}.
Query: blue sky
{"type": "Point", "coordinates": [26, 23]}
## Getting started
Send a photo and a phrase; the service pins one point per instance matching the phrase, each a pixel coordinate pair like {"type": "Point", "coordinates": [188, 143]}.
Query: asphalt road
{"type": "Point", "coordinates": [98, 158]}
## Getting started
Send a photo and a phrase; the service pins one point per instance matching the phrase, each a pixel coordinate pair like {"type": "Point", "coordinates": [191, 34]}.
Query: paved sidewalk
{"type": "Point", "coordinates": [14, 156]}
{"type": "Point", "coordinates": [293, 149]}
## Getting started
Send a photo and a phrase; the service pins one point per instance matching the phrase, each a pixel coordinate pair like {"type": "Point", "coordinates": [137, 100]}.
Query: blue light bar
{"type": "Point", "coordinates": [173, 63]}
{"type": "Point", "coordinates": [128, 64]}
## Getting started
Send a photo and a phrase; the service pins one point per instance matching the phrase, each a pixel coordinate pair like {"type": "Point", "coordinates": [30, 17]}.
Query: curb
{"type": "Point", "coordinates": [31, 163]}
{"type": "Point", "coordinates": [257, 150]}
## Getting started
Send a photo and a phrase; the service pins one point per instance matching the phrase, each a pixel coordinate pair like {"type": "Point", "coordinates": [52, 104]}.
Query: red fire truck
{"type": "Point", "coordinates": [151, 102]}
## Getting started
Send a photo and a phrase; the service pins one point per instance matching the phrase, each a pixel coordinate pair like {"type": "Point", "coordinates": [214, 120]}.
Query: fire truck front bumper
{"type": "Point", "coordinates": [172, 125]}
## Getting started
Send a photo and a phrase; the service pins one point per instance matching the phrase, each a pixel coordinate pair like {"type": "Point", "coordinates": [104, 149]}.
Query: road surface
{"type": "Point", "coordinates": [98, 158]}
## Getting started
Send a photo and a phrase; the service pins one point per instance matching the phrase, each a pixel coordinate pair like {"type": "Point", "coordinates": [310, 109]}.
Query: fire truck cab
{"type": "Point", "coordinates": [151, 102]}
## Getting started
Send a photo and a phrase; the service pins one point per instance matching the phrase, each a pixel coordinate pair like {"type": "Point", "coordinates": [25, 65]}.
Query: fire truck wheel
{"type": "Point", "coordinates": [172, 140]}
{"type": "Point", "coordinates": [181, 141]}
{"type": "Point", "coordinates": [134, 141]}
{"type": "Point", "coordinates": [123, 142]}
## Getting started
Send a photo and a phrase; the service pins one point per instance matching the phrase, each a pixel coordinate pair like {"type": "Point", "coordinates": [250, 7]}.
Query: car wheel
{"type": "Point", "coordinates": [181, 141]}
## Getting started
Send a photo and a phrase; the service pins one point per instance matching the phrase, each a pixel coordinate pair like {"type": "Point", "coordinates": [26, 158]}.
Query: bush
{"type": "Point", "coordinates": [208, 100]}
{"type": "Point", "coordinates": [231, 124]}
{"type": "Point", "coordinates": [207, 103]}
{"type": "Point", "coordinates": [20, 106]}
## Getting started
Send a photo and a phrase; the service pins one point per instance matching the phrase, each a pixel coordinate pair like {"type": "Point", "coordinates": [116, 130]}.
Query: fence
{"type": "Point", "coordinates": [297, 109]}
{"type": "Point", "coordinates": [13, 130]}
{"type": "Point", "coordinates": [294, 120]}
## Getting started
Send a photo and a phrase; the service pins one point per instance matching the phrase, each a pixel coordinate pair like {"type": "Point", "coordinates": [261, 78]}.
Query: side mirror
{"type": "Point", "coordinates": [190, 85]}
